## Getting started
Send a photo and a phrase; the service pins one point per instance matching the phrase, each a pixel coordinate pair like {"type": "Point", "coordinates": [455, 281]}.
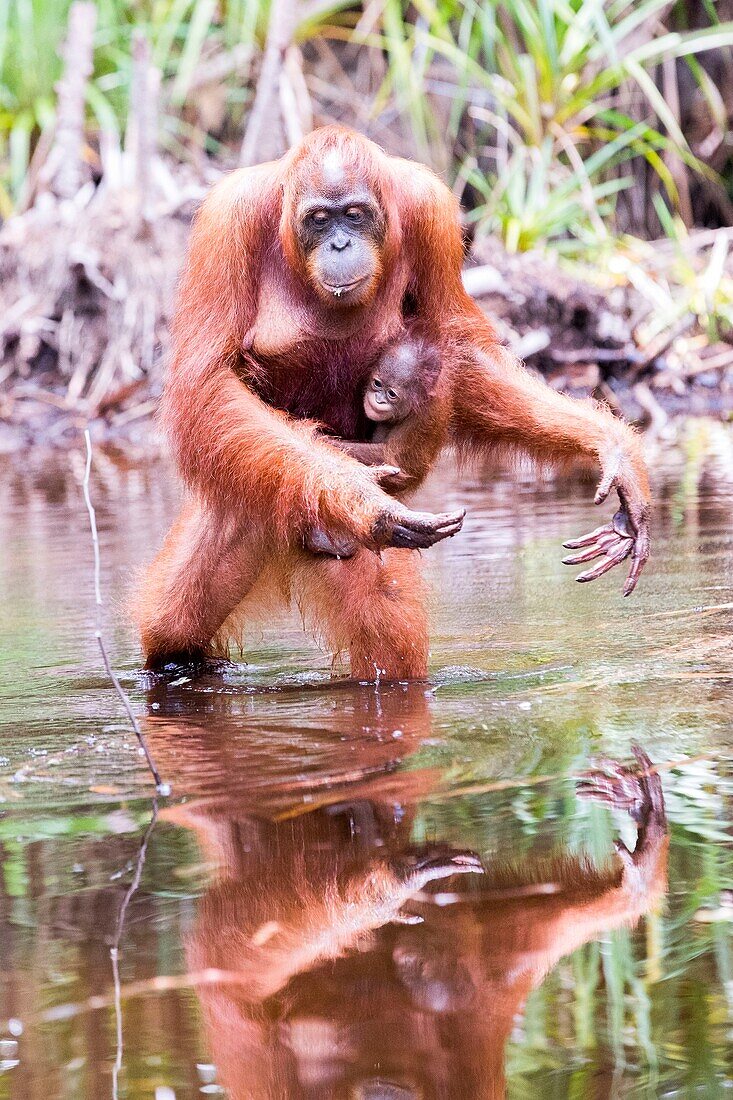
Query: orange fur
{"type": "Point", "coordinates": [303, 919]}
{"type": "Point", "coordinates": [259, 477]}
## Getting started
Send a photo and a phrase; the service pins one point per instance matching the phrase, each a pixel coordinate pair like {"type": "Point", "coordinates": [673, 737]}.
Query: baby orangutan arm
{"type": "Point", "coordinates": [369, 454]}
{"type": "Point", "coordinates": [392, 478]}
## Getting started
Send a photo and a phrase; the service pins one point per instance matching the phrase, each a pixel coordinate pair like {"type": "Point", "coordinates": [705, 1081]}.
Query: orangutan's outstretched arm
{"type": "Point", "coordinates": [411, 446]}
{"type": "Point", "coordinates": [498, 403]}
{"type": "Point", "coordinates": [583, 903]}
{"type": "Point", "coordinates": [326, 920]}
{"type": "Point", "coordinates": [369, 454]}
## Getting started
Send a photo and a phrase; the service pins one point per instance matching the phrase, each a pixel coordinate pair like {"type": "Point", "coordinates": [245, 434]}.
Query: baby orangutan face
{"type": "Point", "coordinates": [385, 401]}
{"type": "Point", "coordinates": [394, 387]}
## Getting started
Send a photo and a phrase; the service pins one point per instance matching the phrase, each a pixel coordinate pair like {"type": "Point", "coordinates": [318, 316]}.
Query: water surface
{"type": "Point", "coordinates": [304, 916]}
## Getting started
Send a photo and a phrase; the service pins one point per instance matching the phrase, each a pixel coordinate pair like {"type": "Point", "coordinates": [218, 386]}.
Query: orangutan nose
{"type": "Point", "coordinates": [340, 241]}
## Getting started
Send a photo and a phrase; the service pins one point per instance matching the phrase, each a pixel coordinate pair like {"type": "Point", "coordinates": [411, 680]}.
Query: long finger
{"type": "Point", "coordinates": [410, 539]}
{"type": "Point", "coordinates": [606, 797]}
{"type": "Point", "coordinates": [610, 771]}
{"type": "Point", "coordinates": [385, 473]}
{"type": "Point", "coordinates": [402, 527]}
{"type": "Point", "coordinates": [638, 561]}
{"type": "Point", "coordinates": [603, 567]}
{"type": "Point", "coordinates": [643, 758]}
{"type": "Point", "coordinates": [651, 781]}
{"type": "Point", "coordinates": [427, 521]}
{"type": "Point", "coordinates": [603, 546]}
{"type": "Point", "coordinates": [444, 533]}
{"type": "Point", "coordinates": [586, 540]}
{"type": "Point", "coordinates": [587, 555]}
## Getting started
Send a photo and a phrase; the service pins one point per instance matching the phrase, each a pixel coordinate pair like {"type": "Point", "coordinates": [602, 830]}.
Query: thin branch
{"type": "Point", "coordinates": [161, 787]}
{"type": "Point", "coordinates": [264, 137]}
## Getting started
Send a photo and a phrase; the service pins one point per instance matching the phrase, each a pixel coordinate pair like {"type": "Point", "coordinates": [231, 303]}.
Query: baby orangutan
{"type": "Point", "coordinates": [396, 399]}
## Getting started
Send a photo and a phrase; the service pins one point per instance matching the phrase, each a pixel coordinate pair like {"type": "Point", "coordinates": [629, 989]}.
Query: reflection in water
{"type": "Point", "coordinates": [331, 811]}
{"type": "Point", "coordinates": [367, 967]}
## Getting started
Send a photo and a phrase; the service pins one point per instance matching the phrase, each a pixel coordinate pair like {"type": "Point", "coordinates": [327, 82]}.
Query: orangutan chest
{"type": "Point", "coordinates": [327, 388]}
{"type": "Point", "coordinates": [311, 364]}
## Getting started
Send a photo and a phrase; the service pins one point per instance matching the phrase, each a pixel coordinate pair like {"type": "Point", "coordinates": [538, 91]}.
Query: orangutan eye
{"type": "Point", "coordinates": [391, 395]}
{"type": "Point", "coordinates": [354, 213]}
{"type": "Point", "coordinates": [319, 218]}
{"type": "Point", "coordinates": [377, 384]}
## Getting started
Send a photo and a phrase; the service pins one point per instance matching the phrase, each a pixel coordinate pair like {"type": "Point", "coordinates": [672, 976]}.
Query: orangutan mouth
{"type": "Point", "coordinates": [337, 291]}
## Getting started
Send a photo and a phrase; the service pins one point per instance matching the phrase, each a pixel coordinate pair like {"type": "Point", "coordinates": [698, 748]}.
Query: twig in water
{"type": "Point", "coordinates": [114, 951]}
{"type": "Point", "coordinates": [161, 787]}
{"type": "Point", "coordinates": [163, 983]}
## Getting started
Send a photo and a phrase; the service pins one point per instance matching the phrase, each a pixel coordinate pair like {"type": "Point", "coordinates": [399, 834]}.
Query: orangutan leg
{"type": "Point", "coordinates": [204, 569]}
{"type": "Point", "coordinates": [371, 605]}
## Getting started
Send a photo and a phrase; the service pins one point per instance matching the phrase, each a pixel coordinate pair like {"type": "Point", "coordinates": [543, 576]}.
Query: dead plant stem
{"type": "Point", "coordinates": [161, 787]}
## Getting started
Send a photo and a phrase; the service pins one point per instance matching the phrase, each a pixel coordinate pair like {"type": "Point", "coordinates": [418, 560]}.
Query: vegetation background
{"type": "Point", "coordinates": [594, 133]}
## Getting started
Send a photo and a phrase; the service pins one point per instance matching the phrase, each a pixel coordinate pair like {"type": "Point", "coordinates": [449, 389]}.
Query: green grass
{"type": "Point", "coordinates": [525, 105]}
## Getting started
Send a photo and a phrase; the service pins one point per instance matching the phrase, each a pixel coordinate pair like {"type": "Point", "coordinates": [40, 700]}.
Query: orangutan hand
{"type": "Point", "coordinates": [626, 534]}
{"type": "Point", "coordinates": [639, 792]}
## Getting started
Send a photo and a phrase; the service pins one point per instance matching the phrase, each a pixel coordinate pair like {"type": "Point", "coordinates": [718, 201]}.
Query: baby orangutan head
{"type": "Point", "coordinates": [402, 380]}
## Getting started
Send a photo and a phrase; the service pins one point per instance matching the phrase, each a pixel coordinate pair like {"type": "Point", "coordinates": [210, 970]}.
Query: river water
{"type": "Point", "coordinates": [374, 893]}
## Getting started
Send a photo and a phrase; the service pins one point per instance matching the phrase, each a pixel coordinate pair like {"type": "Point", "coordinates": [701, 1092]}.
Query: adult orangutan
{"type": "Point", "coordinates": [300, 273]}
